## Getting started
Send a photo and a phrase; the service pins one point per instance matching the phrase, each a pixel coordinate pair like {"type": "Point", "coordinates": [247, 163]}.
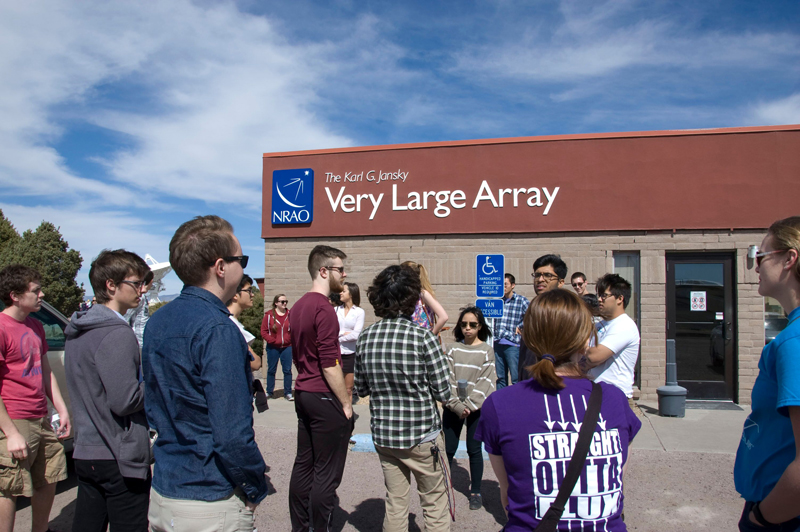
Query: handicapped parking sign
{"type": "Point", "coordinates": [489, 275]}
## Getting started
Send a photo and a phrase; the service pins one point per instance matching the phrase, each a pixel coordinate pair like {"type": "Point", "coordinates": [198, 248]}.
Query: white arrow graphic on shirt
{"type": "Point", "coordinates": [564, 424]}
{"type": "Point", "coordinates": [602, 422]}
{"type": "Point", "coordinates": [575, 424]}
{"type": "Point", "coordinates": [549, 423]}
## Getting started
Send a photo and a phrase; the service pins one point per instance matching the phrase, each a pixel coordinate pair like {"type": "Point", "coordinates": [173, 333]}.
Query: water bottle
{"type": "Point", "coordinates": [55, 422]}
{"type": "Point", "coordinates": [462, 390]}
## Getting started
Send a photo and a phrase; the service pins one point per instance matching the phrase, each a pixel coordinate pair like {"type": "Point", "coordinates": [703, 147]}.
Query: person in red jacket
{"type": "Point", "coordinates": [276, 332]}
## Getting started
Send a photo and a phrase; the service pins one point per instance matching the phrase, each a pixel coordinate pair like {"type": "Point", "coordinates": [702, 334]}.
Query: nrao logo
{"type": "Point", "coordinates": [293, 196]}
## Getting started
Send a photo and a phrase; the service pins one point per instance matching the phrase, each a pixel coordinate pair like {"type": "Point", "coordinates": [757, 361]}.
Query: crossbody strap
{"type": "Point", "coordinates": [550, 520]}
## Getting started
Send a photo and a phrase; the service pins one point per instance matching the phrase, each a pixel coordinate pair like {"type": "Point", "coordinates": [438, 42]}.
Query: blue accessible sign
{"type": "Point", "coordinates": [491, 308]}
{"type": "Point", "coordinates": [489, 273]}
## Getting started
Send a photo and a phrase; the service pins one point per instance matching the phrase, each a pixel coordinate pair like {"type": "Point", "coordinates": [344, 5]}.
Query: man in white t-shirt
{"type": "Point", "coordinates": [614, 358]}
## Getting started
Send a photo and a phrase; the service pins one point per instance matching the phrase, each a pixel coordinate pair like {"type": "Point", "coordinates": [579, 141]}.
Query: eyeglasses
{"type": "Point", "coordinates": [241, 258]}
{"type": "Point", "coordinates": [283, 301]}
{"type": "Point", "coordinates": [577, 285]}
{"type": "Point", "coordinates": [603, 297]}
{"type": "Point", "coordinates": [137, 285]}
{"type": "Point", "coordinates": [248, 290]}
{"type": "Point", "coordinates": [544, 275]}
{"type": "Point", "coordinates": [339, 269]}
{"type": "Point", "coordinates": [469, 324]}
{"type": "Point", "coordinates": [760, 256]}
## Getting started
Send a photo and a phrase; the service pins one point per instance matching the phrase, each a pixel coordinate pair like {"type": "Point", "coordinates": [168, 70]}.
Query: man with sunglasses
{"type": "Point", "coordinates": [102, 364]}
{"type": "Point", "coordinates": [614, 357]}
{"type": "Point", "coordinates": [578, 281]}
{"type": "Point", "coordinates": [198, 394]}
{"type": "Point", "coordinates": [324, 409]}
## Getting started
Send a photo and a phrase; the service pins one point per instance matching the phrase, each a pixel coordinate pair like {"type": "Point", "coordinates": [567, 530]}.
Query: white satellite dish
{"type": "Point", "coordinates": [159, 269]}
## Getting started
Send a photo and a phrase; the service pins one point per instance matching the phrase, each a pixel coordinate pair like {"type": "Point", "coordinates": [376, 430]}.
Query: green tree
{"type": "Point", "coordinates": [45, 250]}
{"type": "Point", "coordinates": [8, 233]}
{"type": "Point", "coordinates": [251, 319]}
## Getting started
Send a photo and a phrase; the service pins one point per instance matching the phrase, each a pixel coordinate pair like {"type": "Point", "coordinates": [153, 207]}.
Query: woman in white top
{"type": "Point", "coordinates": [351, 323]}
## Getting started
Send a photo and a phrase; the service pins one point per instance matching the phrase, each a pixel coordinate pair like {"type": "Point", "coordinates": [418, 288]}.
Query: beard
{"type": "Point", "coordinates": [335, 285]}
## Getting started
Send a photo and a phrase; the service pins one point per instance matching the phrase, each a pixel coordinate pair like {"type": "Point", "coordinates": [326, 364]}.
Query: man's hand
{"type": "Point", "coordinates": [64, 426]}
{"type": "Point", "coordinates": [251, 506]}
{"type": "Point", "coordinates": [17, 446]}
{"type": "Point", "coordinates": [465, 414]}
{"type": "Point", "coordinates": [348, 410]}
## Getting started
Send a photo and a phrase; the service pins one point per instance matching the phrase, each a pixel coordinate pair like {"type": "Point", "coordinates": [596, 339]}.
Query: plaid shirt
{"type": "Point", "coordinates": [403, 369]}
{"type": "Point", "coordinates": [514, 309]}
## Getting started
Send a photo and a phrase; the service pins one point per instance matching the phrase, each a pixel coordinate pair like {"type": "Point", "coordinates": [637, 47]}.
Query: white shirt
{"type": "Point", "coordinates": [248, 337]}
{"type": "Point", "coordinates": [621, 336]}
{"type": "Point", "coordinates": [353, 322]}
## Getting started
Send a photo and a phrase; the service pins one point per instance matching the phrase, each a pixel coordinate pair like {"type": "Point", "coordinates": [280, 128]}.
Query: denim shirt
{"type": "Point", "coordinates": [198, 398]}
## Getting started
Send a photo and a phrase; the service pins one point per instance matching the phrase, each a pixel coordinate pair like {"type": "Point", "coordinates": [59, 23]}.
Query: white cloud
{"type": "Point", "coordinates": [776, 112]}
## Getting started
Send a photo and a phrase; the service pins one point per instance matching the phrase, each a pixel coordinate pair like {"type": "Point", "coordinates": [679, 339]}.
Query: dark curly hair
{"type": "Point", "coordinates": [394, 292]}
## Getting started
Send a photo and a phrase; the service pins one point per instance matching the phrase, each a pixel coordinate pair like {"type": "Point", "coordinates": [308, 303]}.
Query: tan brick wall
{"type": "Point", "coordinates": [450, 260]}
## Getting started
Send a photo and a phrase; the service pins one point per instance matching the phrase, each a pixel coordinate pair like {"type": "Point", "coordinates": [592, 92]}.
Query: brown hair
{"type": "Point", "coordinates": [16, 279]}
{"type": "Point", "coordinates": [275, 312]}
{"type": "Point", "coordinates": [556, 326]}
{"type": "Point", "coordinates": [322, 256]}
{"type": "Point", "coordinates": [196, 246]}
{"type": "Point", "coordinates": [786, 236]}
{"type": "Point", "coordinates": [424, 281]}
{"type": "Point", "coordinates": [114, 266]}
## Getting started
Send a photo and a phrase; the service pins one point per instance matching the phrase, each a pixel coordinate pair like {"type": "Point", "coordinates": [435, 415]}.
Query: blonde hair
{"type": "Point", "coordinates": [786, 236]}
{"type": "Point", "coordinates": [423, 275]}
{"type": "Point", "coordinates": [556, 326]}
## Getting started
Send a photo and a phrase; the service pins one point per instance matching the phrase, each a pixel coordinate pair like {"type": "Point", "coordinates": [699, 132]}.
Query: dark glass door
{"type": "Point", "coordinates": [700, 318]}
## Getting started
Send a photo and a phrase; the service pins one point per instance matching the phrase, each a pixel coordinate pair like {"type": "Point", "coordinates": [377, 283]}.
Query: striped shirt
{"type": "Point", "coordinates": [403, 369]}
{"type": "Point", "coordinates": [475, 364]}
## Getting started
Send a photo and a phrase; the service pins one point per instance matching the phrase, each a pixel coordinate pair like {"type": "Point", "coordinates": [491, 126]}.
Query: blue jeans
{"type": "Point", "coordinates": [284, 356]}
{"type": "Point", "coordinates": [506, 358]}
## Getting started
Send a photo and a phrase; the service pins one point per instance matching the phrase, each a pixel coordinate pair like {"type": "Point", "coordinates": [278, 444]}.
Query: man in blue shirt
{"type": "Point", "coordinates": [506, 332]}
{"type": "Point", "coordinates": [209, 473]}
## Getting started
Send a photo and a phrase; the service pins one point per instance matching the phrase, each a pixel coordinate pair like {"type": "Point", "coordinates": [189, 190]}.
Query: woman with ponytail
{"type": "Point", "coordinates": [428, 313]}
{"type": "Point", "coordinates": [530, 429]}
{"type": "Point", "coordinates": [767, 468]}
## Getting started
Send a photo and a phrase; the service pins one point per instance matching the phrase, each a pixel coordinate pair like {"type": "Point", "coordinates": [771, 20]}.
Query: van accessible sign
{"type": "Point", "coordinates": [293, 196]}
{"type": "Point", "coordinates": [489, 277]}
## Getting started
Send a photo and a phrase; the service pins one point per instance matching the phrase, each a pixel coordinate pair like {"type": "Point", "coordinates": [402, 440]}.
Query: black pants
{"type": "Point", "coordinates": [323, 432]}
{"type": "Point", "coordinates": [746, 526]}
{"type": "Point", "coordinates": [106, 497]}
{"type": "Point", "coordinates": [451, 425]}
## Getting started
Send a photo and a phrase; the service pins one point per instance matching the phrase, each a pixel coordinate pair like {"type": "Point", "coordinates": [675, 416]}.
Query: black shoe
{"type": "Point", "coordinates": [475, 501]}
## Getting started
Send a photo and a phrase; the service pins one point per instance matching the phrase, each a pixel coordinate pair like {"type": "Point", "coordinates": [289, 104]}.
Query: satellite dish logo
{"type": "Point", "coordinates": [293, 196]}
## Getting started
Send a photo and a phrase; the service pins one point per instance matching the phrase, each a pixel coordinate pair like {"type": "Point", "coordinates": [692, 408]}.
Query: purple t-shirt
{"type": "Point", "coordinates": [535, 431]}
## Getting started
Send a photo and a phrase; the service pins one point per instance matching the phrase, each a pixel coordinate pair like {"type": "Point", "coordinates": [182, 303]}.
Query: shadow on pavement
{"type": "Point", "coordinates": [647, 409]}
{"type": "Point", "coordinates": [490, 492]}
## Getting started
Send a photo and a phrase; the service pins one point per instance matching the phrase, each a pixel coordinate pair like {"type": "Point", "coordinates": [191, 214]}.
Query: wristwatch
{"type": "Point", "coordinates": [760, 517]}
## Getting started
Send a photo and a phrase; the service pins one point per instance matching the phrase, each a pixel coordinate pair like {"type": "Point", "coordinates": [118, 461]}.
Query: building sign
{"type": "Point", "coordinates": [698, 300]}
{"type": "Point", "coordinates": [532, 185]}
{"type": "Point", "coordinates": [293, 196]}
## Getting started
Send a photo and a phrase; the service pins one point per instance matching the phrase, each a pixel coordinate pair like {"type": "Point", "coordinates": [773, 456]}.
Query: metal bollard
{"type": "Point", "coordinates": [671, 398]}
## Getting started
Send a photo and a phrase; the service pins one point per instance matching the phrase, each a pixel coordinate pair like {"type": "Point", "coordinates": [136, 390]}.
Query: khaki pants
{"type": "Point", "coordinates": [181, 515]}
{"type": "Point", "coordinates": [398, 464]}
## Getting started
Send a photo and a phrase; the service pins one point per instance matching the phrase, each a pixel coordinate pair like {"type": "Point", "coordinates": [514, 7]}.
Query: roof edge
{"type": "Point", "coordinates": [544, 138]}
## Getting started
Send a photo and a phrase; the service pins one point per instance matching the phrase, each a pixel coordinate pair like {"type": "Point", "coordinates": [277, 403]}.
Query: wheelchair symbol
{"type": "Point", "coordinates": [488, 268]}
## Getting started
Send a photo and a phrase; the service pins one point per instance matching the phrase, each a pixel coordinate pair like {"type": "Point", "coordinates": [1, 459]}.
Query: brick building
{"type": "Point", "coordinates": [674, 212]}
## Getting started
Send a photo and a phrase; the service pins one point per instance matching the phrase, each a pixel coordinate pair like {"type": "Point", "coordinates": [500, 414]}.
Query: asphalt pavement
{"type": "Point", "coordinates": [679, 477]}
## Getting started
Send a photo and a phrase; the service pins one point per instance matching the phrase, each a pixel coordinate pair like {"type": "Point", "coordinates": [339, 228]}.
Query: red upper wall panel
{"type": "Point", "coordinates": [712, 179]}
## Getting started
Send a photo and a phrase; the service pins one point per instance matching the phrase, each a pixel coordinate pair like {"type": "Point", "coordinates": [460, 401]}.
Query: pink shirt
{"type": "Point", "coordinates": [22, 346]}
{"type": "Point", "coordinates": [315, 341]}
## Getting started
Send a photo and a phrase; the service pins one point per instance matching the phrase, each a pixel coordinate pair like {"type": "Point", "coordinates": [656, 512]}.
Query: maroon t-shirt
{"type": "Point", "coordinates": [315, 341]}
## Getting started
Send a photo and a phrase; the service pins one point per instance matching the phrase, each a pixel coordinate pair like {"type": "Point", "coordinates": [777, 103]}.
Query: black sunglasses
{"type": "Point", "coordinates": [241, 258]}
{"type": "Point", "coordinates": [470, 324]}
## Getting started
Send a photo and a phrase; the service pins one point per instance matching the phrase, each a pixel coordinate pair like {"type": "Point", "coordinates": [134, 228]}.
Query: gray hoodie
{"type": "Point", "coordinates": [102, 359]}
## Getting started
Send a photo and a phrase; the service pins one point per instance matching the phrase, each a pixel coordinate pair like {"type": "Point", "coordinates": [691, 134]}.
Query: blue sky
{"type": "Point", "coordinates": [120, 120]}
